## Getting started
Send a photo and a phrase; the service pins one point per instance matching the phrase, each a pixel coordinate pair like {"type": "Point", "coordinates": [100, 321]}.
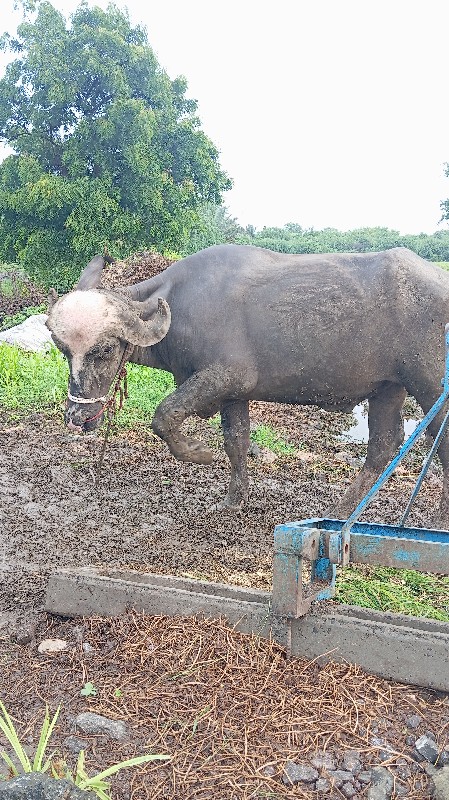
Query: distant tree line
{"type": "Point", "coordinates": [294, 239]}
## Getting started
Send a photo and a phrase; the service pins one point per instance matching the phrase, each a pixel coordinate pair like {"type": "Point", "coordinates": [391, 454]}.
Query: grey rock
{"type": "Point", "coordinates": [74, 744]}
{"type": "Point", "coordinates": [401, 791]}
{"type": "Point", "coordinates": [322, 786]}
{"type": "Point", "coordinates": [364, 777]}
{"type": "Point", "coordinates": [97, 724]}
{"type": "Point", "coordinates": [340, 776]}
{"type": "Point", "coordinates": [443, 758]}
{"type": "Point", "coordinates": [323, 760]}
{"type": "Point", "coordinates": [348, 790]}
{"type": "Point", "coordinates": [409, 741]}
{"type": "Point", "coordinates": [269, 771]}
{"type": "Point", "coordinates": [351, 761]}
{"type": "Point", "coordinates": [381, 784]}
{"type": "Point", "coordinates": [414, 721]}
{"type": "Point", "coordinates": [24, 634]}
{"type": "Point", "coordinates": [441, 784]}
{"type": "Point", "coordinates": [427, 748]}
{"type": "Point", "coordinates": [295, 773]}
{"type": "Point", "coordinates": [36, 786]}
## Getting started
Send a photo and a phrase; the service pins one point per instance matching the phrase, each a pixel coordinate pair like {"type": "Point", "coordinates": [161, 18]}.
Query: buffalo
{"type": "Point", "coordinates": [236, 323]}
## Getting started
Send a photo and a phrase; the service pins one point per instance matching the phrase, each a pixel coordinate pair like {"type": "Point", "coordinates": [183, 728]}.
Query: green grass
{"type": "Point", "coordinates": [403, 591]}
{"type": "Point", "coordinates": [265, 436]}
{"type": "Point", "coordinates": [30, 381]}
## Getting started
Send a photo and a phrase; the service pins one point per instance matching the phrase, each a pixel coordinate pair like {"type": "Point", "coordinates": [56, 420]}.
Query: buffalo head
{"type": "Point", "coordinates": [93, 328]}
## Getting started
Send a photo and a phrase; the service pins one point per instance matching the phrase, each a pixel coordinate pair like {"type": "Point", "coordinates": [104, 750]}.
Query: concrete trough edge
{"type": "Point", "coordinates": [407, 649]}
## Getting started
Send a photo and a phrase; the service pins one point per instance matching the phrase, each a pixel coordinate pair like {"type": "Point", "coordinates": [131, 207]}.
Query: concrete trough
{"type": "Point", "coordinates": [407, 649]}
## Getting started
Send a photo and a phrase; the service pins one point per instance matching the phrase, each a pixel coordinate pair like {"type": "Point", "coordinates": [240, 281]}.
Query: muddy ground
{"type": "Point", "coordinates": [150, 512]}
{"type": "Point", "coordinates": [231, 726]}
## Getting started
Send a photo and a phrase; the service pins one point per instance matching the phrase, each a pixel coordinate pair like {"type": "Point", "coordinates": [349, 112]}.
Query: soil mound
{"type": "Point", "coordinates": [135, 268]}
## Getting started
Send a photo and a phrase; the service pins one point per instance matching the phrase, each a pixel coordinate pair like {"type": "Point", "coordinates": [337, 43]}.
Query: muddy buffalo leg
{"type": "Point", "coordinates": [235, 426]}
{"type": "Point", "coordinates": [386, 434]}
{"type": "Point", "coordinates": [203, 395]}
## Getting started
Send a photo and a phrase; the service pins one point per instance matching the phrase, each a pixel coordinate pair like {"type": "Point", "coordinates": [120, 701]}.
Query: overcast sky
{"type": "Point", "coordinates": [328, 113]}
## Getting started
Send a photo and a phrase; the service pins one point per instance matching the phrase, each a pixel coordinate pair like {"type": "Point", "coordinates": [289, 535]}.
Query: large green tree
{"type": "Point", "coordinates": [107, 150]}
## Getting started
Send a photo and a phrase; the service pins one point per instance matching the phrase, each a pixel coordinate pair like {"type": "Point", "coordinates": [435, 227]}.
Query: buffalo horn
{"type": "Point", "coordinates": [145, 333]}
{"type": "Point", "coordinates": [91, 275]}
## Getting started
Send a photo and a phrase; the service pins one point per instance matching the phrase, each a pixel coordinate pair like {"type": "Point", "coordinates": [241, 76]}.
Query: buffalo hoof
{"type": "Point", "coordinates": [195, 453]}
{"type": "Point", "coordinates": [230, 504]}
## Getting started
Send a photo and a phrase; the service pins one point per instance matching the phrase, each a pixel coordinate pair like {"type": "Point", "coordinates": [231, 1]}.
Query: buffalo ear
{"type": "Point", "coordinates": [52, 298]}
{"type": "Point", "coordinates": [145, 333]}
{"type": "Point", "coordinates": [91, 275]}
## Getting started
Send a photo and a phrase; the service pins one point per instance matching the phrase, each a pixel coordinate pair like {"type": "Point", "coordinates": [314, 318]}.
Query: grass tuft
{"type": "Point", "coordinates": [402, 591]}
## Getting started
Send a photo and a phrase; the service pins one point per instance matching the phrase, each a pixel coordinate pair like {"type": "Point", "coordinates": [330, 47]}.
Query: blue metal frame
{"type": "Point", "coordinates": [323, 543]}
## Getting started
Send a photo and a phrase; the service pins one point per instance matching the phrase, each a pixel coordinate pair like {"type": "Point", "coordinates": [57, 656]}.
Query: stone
{"type": "Point", "coordinates": [348, 790]}
{"type": "Point", "coordinates": [296, 773]}
{"type": "Point", "coordinates": [98, 725]}
{"type": "Point", "coordinates": [427, 748]}
{"type": "Point", "coordinates": [441, 784]}
{"type": "Point", "coordinates": [381, 784]}
{"type": "Point", "coordinates": [74, 744]}
{"type": "Point", "coordinates": [351, 761]}
{"type": "Point", "coordinates": [340, 776]}
{"type": "Point", "coordinates": [52, 646]}
{"type": "Point", "coordinates": [322, 760]}
{"type": "Point", "coordinates": [269, 771]}
{"type": "Point", "coordinates": [364, 777]}
{"type": "Point", "coordinates": [37, 786]}
{"type": "Point", "coordinates": [322, 786]}
{"type": "Point", "coordinates": [414, 721]}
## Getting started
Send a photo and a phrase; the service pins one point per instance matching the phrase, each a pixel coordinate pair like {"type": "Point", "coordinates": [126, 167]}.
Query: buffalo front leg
{"type": "Point", "coordinates": [203, 394]}
{"type": "Point", "coordinates": [235, 426]}
{"type": "Point", "coordinates": [386, 434]}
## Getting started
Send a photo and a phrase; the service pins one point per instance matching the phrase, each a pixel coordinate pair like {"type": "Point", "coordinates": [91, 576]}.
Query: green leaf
{"type": "Point", "coordinates": [7, 727]}
{"type": "Point", "coordinates": [131, 762]}
{"type": "Point", "coordinates": [46, 732]}
{"type": "Point", "coordinates": [88, 690]}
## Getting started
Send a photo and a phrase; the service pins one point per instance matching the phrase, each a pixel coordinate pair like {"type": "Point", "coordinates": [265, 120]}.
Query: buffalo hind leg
{"type": "Point", "coordinates": [235, 426]}
{"type": "Point", "coordinates": [386, 434]}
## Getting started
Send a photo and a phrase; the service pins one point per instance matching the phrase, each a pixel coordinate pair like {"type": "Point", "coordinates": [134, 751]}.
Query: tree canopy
{"type": "Point", "coordinates": [107, 150]}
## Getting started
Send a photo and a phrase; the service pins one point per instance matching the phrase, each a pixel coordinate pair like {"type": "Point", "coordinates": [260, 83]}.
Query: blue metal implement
{"type": "Point", "coordinates": [322, 543]}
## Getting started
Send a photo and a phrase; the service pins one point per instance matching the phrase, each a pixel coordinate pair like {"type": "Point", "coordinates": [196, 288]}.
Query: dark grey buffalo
{"type": "Point", "coordinates": [250, 324]}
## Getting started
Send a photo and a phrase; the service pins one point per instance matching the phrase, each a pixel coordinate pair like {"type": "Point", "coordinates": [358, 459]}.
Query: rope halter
{"type": "Point", "coordinates": [120, 387]}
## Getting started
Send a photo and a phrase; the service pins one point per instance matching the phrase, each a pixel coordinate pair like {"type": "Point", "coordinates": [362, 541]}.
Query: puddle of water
{"type": "Point", "coordinates": [359, 432]}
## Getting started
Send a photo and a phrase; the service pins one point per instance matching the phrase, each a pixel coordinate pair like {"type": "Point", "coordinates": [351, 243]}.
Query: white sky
{"type": "Point", "coordinates": [328, 113]}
